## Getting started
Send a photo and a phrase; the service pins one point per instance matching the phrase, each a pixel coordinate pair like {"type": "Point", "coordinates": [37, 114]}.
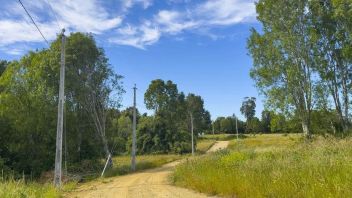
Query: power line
{"type": "Point", "coordinates": [33, 21]}
{"type": "Point", "coordinates": [57, 21]}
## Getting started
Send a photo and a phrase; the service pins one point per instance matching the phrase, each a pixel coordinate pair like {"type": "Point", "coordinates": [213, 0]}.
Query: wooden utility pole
{"type": "Point", "coordinates": [192, 133]}
{"type": "Point", "coordinates": [133, 160]}
{"type": "Point", "coordinates": [213, 128]}
{"type": "Point", "coordinates": [236, 126]}
{"type": "Point", "coordinates": [58, 157]}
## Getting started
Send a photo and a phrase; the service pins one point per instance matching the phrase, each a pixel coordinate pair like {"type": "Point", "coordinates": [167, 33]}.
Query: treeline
{"type": "Point", "coordinates": [94, 127]}
{"type": "Point", "coordinates": [303, 62]}
{"type": "Point", "coordinates": [168, 130]}
{"type": "Point", "coordinates": [29, 102]}
{"type": "Point", "coordinates": [322, 122]}
{"type": "Point", "coordinates": [174, 112]}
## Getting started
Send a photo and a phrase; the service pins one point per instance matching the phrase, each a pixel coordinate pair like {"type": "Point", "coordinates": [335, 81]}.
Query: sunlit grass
{"type": "Point", "coordinates": [13, 189]}
{"type": "Point", "coordinates": [204, 144]}
{"type": "Point", "coordinates": [122, 164]}
{"type": "Point", "coordinates": [254, 168]}
{"type": "Point", "coordinates": [220, 137]}
{"type": "Point", "coordinates": [264, 142]}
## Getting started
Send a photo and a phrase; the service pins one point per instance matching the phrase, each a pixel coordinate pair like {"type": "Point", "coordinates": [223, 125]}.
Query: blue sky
{"type": "Point", "coordinates": [199, 45]}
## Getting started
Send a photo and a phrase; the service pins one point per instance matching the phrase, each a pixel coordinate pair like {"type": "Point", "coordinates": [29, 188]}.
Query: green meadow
{"type": "Point", "coordinates": [272, 166]}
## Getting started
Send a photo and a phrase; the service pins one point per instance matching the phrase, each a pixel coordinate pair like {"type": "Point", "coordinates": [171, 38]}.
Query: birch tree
{"type": "Point", "coordinates": [283, 59]}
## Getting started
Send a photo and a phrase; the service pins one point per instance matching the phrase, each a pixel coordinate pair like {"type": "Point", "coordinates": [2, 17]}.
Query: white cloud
{"type": "Point", "coordinates": [22, 31]}
{"type": "Point", "coordinates": [226, 12]}
{"type": "Point", "coordinates": [200, 19]}
{"type": "Point", "coordinates": [77, 15]}
{"type": "Point", "coordinates": [138, 37]}
{"type": "Point", "coordinates": [92, 16]}
{"type": "Point", "coordinates": [126, 4]}
{"type": "Point", "coordinates": [85, 15]}
{"type": "Point", "coordinates": [173, 22]}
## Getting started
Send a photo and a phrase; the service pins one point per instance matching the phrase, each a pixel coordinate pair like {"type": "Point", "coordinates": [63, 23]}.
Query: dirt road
{"type": "Point", "coordinates": [218, 146]}
{"type": "Point", "coordinates": [148, 184]}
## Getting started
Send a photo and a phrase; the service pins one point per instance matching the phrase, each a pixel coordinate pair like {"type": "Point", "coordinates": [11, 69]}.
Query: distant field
{"type": "Point", "coordinates": [220, 137]}
{"type": "Point", "coordinates": [265, 142]}
{"type": "Point", "coordinates": [273, 166]}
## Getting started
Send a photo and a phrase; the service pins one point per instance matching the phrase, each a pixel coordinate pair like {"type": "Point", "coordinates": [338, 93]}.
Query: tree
{"type": "Point", "coordinates": [331, 26]}
{"type": "Point", "coordinates": [160, 95]}
{"type": "Point", "coordinates": [265, 121]}
{"type": "Point", "coordinates": [248, 108]}
{"type": "Point", "coordinates": [217, 125]}
{"type": "Point", "coordinates": [227, 125]}
{"type": "Point", "coordinates": [278, 123]}
{"type": "Point", "coordinates": [254, 126]}
{"type": "Point", "coordinates": [28, 104]}
{"type": "Point", "coordinates": [283, 59]}
{"type": "Point", "coordinates": [201, 117]}
{"type": "Point", "coordinates": [97, 87]}
{"type": "Point", "coordinates": [3, 65]}
{"type": "Point", "coordinates": [172, 121]}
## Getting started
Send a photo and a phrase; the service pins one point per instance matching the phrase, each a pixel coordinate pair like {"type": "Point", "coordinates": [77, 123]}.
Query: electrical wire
{"type": "Point", "coordinates": [57, 21]}
{"type": "Point", "coordinates": [29, 15]}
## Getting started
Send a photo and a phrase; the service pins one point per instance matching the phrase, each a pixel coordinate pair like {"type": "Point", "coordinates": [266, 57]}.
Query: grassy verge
{"type": "Point", "coordinates": [204, 144]}
{"type": "Point", "coordinates": [220, 137]}
{"type": "Point", "coordinates": [90, 170]}
{"type": "Point", "coordinates": [256, 168]}
{"type": "Point", "coordinates": [122, 164]}
{"type": "Point", "coordinates": [265, 142]}
{"type": "Point", "coordinates": [18, 188]}
{"type": "Point", "coordinates": [13, 189]}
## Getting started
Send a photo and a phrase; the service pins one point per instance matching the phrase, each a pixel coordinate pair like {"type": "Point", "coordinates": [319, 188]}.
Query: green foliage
{"type": "Point", "coordinates": [259, 168]}
{"type": "Point", "coordinates": [169, 130]}
{"type": "Point", "coordinates": [265, 121]}
{"type": "Point", "coordinates": [302, 59]}
{"type": "Point", "coordinates": [28, 104]}
{"type": "Point", "coordinates": [228, 125]}
{"type": "Point", "coordinates": [283, 64]}
{"type": "Point", "coordinates": [254, 126]}
{"type": "Point", "coordinates": [3, 65]}
{"type": "Point", "coordinates": [248, 107]}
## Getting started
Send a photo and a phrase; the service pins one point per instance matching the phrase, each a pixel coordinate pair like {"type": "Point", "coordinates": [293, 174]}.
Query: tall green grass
{"type": "Point", "coordinates": [14, 189]}
{"type": "Point", "coordinates": [322, 168]}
